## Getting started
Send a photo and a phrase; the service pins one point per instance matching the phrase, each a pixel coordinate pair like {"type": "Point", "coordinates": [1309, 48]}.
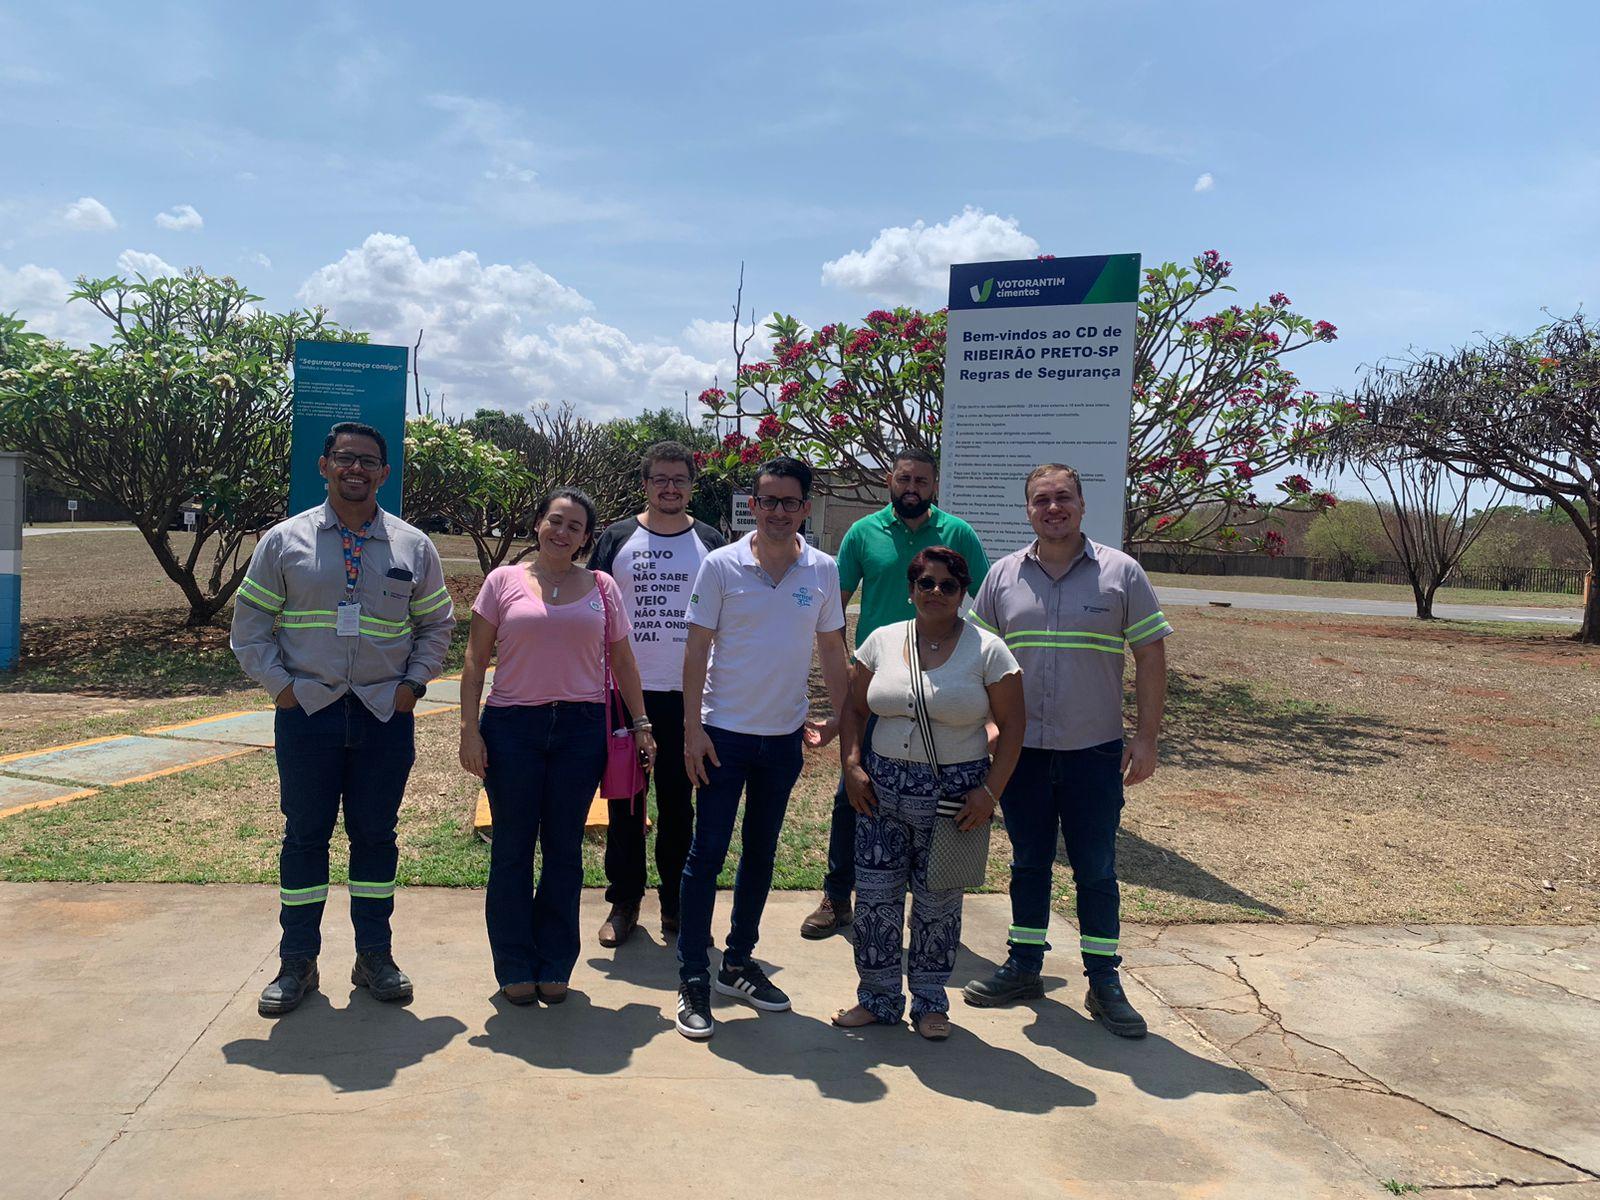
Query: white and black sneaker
{"type": "Point", "coordinates": [748, 982]}
{"type": "Point", "coordinates": [694, 1009]}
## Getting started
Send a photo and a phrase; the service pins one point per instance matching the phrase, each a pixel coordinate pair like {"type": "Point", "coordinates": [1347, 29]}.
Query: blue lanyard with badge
{"type": "Point", "coordinates": [348, 621]}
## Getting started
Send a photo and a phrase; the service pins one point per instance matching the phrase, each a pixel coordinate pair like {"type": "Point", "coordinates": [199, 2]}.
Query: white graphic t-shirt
{"type": "Point", "coordinates": [655, 571]}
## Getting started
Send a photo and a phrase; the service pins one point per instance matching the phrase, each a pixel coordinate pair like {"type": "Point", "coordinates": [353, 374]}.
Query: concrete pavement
{"type": "Point", "coordinates": [1283, 1061]}
{"type": "Point", "coordinates": [1351, 607]}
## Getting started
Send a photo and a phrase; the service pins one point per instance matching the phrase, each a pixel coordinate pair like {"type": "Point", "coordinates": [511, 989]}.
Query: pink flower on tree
{"type": "Point", "coordinates": [1214, 263]}
{"type": "Point", "coordinates": [1275, 543]}
{"type": "Point", "coordinates": [1324, 332]}
{"type": "Point", "coordinates": [733, 441]}
{"type": "Point", "coordinates": [838, 421]}
{"type": "Point", "coordinates": [1244, 471]}
{"type": "Point", "coordinates": [1267, 338]}
{"type": "Point", "coordinates": [750, 454]}
{"type": "Point", "coordinates": [790, 392]}
{"type": "Point", "coordinates": [1297, 485]}
{"type": "Point", "coordinates": [793, 354]}
{"type": "Point", "coordinates": [863, 341]}
{"type": "Point", "coordinates": [770, 426]}
{"type": "Point", "coordinates": [879, 317]}
{"type": "Point", "coordinates": [1278, 300]}
{"type": "Point", "coordinates": [713, 396]}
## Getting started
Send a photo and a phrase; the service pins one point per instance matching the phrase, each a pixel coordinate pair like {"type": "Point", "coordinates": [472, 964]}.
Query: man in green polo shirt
{"type": "Point", "coordinates": [874, 556]}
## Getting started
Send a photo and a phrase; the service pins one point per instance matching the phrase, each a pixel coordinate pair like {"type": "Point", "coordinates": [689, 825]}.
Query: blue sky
{"type": "Point", "coordinates": [562, 194]}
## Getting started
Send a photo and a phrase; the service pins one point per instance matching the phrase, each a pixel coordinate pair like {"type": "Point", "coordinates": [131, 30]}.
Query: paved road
{"type": "Point", "coordinates": [1351, 607]}
{"type": "Point", "coordinates": [1282, 1061]}
{"type": "Point", "coordinates": [26, 532]}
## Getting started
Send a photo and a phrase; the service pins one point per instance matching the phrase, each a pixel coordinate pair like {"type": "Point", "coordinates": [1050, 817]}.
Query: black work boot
{"type": "Point", "coordinates": [375, 971]}
{"type": "Point", "coordinates": [1009, 983]}
{"type": "Point", "coordinates": [297, 978]}
{"type": "Point", "coordinates": [1108, 1004]}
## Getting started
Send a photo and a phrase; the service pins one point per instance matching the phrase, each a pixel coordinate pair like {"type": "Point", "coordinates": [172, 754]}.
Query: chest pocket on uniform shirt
{"type": "Point", "coordinates": [394, 595]}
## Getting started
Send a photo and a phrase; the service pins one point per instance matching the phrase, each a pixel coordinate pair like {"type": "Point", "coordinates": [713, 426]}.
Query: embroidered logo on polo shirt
{"type": "Point", "coordinates": [597, 606]}
{"type": "Point", "coordinates": [803, 597]}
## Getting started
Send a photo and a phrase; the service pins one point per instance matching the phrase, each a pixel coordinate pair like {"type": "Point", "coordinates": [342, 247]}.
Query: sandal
{"type": "Point", "coordinates": [854, 1018]}
{"type": "Point", "coordinates": [934, 1026]}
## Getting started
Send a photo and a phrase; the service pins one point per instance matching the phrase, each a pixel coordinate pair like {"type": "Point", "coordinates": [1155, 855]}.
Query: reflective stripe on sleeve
{"type": "Point", "coordinates": [262, 598]}
{"type": "Point", "coordinates": [437, 600]}
{"type": "Point", "coordinates": [1155, 623]}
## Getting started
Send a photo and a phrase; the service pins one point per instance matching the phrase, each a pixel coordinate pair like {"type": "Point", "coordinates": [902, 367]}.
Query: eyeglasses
{"type": "Point", "coordinates": [665, 481]}
{"type": "Point", "coordinates": [346, 460]}
{"type": "Point", "coordinates": [790, 504]}
{"type": "Point", "coordinates": [1044, 503]}
{"type": "Point", "coordinates": [945, 587]}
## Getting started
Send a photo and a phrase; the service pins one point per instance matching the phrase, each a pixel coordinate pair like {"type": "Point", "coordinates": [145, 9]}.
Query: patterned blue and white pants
{"type": "Point", "coordinates": [891, 855]}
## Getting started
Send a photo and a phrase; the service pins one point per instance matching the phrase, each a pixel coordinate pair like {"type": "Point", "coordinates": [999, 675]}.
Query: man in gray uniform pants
{"type": "Point", "coordinates": [343, 617]}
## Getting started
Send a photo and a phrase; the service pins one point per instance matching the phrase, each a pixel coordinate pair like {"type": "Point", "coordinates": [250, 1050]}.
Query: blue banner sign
{"type": "Point", "coordinates": [345, 381]}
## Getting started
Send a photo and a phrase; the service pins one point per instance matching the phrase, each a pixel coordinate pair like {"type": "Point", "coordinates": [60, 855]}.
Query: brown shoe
{"type": "Point", "coordinates": [827, 918]}
{"type": "Point", "coordinates": [624, 919]}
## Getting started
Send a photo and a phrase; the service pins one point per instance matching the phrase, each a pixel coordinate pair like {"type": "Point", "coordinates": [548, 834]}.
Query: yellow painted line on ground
{"type": "Point", "coordinates": [189, 766]}
{"type": "Point", "coordinates": [50, 803]}
{"type": "Point", "coordinates": [22, 754]}
{"type": "Point", "coordinates": [243, 712]}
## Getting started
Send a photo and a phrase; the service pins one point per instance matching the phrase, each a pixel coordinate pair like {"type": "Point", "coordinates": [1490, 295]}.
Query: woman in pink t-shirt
{"type": "Point", "coordinates": [540, 744]}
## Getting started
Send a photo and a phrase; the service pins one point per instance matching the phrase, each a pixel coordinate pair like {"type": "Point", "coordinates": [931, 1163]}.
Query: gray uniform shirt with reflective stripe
{"type": "Point", "coordinates": [284, 616]}
{"type": "Point", "coordinates": [1069, 635]}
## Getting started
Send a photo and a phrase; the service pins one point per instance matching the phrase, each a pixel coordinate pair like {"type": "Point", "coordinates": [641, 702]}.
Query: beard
{"type": "Point", "coordinates": [909, 510]}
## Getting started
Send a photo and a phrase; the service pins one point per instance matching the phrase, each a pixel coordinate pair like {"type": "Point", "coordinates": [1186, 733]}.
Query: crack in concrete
{"type": "Point", "coordinates": [176, 1063]}
{"type": "Point", "coordinates": [1272, 1019]}
{"type": "Point", "coordinates": [1483, 957]}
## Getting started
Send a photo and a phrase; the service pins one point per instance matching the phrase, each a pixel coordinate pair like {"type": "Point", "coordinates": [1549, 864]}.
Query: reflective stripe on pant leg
{"type": "Point", "coordinates": [1094, 945]}
{"type": "Point", "coordinates": [294, 897]}
{"type": "Point", "coordinates": [372, 891]}
{"type": "Point", "coordinates": [1022, 936]}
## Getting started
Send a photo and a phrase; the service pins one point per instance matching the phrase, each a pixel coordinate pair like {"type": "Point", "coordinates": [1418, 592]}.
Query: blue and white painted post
{"type": "Point", "coordinates": [12, 504]}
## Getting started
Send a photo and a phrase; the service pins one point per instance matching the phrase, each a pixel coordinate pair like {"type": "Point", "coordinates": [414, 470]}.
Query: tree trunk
{"type": "Point", "coordinates": [1425, 601]}
{"type": "Point", "coordinates": [1589, 631]}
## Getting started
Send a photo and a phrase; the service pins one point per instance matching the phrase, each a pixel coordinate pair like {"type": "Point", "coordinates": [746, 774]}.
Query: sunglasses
{"type": "Point", "coordinates": [945, 587]}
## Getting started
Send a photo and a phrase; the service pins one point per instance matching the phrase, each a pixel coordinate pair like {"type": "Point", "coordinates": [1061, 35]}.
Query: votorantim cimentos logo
{"type": "Point", "coordinates": [980, 295]}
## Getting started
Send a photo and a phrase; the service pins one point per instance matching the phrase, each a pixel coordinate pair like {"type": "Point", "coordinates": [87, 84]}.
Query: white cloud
{"type": "Point", "coordinates": [39, 296]}
{"type": "Point", "coordinates": [1205, 183]}
{"type": "Point", "coordinates": [911, 265]}
{"type": "Point", "coordinates": [142, 262]}
{"type": "Point", "coordinates": [500, 335]}
{"type": "Point", "coordinates": [259, 260]}
{"type": "Point", "coordinates": [183, 217]}
{"type": "Point", "coordinates": [88, 213]}
{"type": "Point", "coordinates": [713, 341]}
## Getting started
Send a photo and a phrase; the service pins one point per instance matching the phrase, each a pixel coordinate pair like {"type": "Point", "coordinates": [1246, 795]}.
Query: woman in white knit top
{"type": "Point", "coordinates": [969, 680]}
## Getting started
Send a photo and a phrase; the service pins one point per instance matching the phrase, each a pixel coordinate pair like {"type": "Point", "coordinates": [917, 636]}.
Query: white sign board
{"type": "Point", "coordinates": [188, 518]}
{"type": "Point", "coordinates": [72, 506]}
{"type": "Point", "coordinates": [1038, 368]}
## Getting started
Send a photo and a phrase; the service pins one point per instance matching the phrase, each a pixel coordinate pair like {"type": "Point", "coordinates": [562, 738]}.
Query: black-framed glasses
{"type": "Point", "coordinates": [681, 482]}
{"type": "Point", "coordinates": [945, 587]}
{"type": "Point", "coordinates": [790, 504]}
{"type": "Point", "coordinates": [346, 460]}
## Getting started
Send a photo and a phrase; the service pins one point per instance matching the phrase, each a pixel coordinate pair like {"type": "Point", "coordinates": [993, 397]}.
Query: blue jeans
{"type": "Point", "coordinates": [544, 764]}
{"type": "Point", "coordinates": [765, 770]}
{"type": "Point", "coordinates": [1079, 793]}
{"type": "Point", "coordinates": [340, 755]}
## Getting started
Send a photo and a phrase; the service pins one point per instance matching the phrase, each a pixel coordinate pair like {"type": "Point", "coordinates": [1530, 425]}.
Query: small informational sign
{"type": "Point", "coordinates": [72, 506]}
{"type": "Point", "coordinates": [345, 381]}
{"type": "Point", "coordinates": [189, 516]}
{"type": "Point", "coordinates": [1038, 368]}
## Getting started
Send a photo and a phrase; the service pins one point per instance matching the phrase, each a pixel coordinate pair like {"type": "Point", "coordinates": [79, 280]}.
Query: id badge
{"type": "Point", "coordinates": [348, 622]}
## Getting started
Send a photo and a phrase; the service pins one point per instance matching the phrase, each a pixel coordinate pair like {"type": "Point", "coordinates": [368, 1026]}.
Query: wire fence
{"type": "Point", "coordinates": [1560, 580]}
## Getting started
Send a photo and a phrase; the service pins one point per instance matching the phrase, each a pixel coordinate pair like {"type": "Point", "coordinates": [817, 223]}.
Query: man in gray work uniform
{"type": "Point", "coordinates": [343, 617]}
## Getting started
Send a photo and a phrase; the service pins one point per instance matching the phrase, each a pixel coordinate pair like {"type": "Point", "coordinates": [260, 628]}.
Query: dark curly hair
{"type": "Point", "coordinates": [947, 558]}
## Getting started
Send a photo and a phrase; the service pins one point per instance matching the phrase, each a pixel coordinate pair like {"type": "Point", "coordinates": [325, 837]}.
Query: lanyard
{"type": "Point", "coordinates": [352, 544]}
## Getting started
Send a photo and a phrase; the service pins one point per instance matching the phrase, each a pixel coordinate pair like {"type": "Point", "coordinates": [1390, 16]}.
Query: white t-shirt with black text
{"type": "Point", "coordinates": [655, 572]}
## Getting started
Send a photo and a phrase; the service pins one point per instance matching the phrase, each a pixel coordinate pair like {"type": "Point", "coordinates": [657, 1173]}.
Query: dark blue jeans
{"type": "Point", "coordinates": [340, 755]}
{"type": "Point", "coordinates": [1079, 793]}
{"type": "Point", "coordinates": [840, 881]}
{"type": "Point", "coordinates": [544, 764]}
{"type": "Point", "coordinates": [764, 769]}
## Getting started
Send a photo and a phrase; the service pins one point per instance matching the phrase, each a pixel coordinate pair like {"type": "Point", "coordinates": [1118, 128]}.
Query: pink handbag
{"type": "Point", "coordinates": [624, 776]}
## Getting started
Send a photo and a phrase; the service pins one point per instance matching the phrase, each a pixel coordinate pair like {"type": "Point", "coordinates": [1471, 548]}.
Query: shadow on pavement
{"type": "Point", "coordinates": [1155, 1065]}
{"type": "Point", "coordinates": [841, 1062]}
{"type": "Point", "coordinates": [1150, 865]}
{"type": "Point", "coordinates": [575, 1035]}
{"type": "Point", "coordinates": [359, 1048]}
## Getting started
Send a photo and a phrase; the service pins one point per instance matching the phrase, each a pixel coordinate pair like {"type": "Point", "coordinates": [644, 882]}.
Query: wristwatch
{"type": "Point", "coordinates": [419, 690]}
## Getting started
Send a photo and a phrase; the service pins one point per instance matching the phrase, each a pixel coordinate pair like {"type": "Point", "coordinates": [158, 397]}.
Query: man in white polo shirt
{"type": "Point", "coordinates": [756, 607]}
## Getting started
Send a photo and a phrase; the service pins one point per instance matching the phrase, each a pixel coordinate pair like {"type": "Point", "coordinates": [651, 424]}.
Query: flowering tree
{"type": "Point", "coordinates": [1213, 406]}
{"type": "Point", "coordinates": [1520, 412]}
{"type": "Point", "coordinates": [188, 400]}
